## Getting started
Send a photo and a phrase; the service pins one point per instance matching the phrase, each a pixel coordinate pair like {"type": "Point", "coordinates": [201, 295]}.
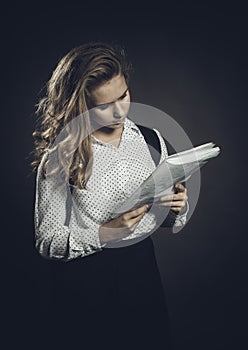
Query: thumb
{"type": "Point", "coordinates": [179, 187]}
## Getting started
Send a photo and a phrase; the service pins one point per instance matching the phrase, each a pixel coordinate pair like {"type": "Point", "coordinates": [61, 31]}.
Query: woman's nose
{"type": "Point", "coordinates": [118, 109]}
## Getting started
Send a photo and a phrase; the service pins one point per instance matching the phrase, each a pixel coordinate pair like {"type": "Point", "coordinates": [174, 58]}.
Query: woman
{"type": "Point", "coordinates": [98, 293]}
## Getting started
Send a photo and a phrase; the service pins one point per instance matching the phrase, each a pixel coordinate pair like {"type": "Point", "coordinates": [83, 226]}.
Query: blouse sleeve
{"type": "Point", "coordinates": [173, 218]}
{"type": "Point", "coordinates": [56, 237]}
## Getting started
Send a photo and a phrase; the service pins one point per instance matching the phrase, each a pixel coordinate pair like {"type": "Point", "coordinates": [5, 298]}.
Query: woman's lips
{"type": "Point", "coordinates": [121, 122]}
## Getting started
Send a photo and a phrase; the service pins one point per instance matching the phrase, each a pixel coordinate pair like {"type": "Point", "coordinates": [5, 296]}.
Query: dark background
{"type": "Point", "coordinates": [192, 64]}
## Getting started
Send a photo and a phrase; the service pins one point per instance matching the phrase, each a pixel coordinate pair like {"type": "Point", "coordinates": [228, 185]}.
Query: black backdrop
{"type": "Point", "coordinates": [192, 64]}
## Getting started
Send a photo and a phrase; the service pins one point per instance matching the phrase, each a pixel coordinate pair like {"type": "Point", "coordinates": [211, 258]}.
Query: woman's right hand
{"type": "Point", "coordinates": [122, 226]}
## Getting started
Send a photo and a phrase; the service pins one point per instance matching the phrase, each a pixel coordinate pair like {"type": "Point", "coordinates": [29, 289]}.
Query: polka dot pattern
{"type": "Point", "coordinates": [117, 172]}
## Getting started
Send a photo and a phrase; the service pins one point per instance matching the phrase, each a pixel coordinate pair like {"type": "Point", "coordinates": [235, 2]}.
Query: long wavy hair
{"type": "Point", "coordinates": [64, 128]}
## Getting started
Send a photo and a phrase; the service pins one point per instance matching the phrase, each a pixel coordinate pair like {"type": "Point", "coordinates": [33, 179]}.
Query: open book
{"type": "Point", "coordinates": [175, 168]}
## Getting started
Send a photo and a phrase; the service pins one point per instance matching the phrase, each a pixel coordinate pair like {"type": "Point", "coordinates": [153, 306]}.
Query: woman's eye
{"type": "Point", "coordinates": [103, 107]}
{"type": "Point", "coordinates": [122, 97]}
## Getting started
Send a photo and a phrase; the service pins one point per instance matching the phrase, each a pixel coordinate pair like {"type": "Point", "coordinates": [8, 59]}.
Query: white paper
{"type": "Point", "coordinates": [175, 168]}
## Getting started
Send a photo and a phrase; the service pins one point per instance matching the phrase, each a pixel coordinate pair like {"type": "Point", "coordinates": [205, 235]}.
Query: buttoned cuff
{"type": "Point", "coordinates": [181, 217]}
{"type": "Point", "coordinates": [176, 218]}
{"type": "Point", "coordinates": [78, 241]}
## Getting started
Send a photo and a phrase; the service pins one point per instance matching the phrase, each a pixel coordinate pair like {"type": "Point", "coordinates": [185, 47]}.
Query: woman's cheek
{"type": "Point", "coordinates": [101, 117]}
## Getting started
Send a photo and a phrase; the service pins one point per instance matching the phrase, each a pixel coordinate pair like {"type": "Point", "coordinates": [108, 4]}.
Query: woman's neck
{"type": "Point", "coordinates": [108, 135]}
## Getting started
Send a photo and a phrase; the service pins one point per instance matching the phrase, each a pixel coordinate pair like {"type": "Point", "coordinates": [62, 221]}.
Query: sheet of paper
{"type": "Point", "coordinates": [175, 168]}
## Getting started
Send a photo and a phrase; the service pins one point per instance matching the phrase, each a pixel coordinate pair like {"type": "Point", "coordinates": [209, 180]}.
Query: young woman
{"type": "Point", "coordinates": [98, 294]}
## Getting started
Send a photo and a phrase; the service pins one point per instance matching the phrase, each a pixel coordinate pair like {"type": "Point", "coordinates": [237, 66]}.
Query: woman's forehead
{"type": "Point", "coordinates": [109, 91]}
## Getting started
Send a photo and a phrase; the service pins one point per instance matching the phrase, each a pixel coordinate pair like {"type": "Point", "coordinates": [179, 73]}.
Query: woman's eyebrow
{"type": "Point", "coordinates": [107, 103]}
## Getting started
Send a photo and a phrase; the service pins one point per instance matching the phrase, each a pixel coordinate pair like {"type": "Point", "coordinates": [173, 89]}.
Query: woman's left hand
{"type": "Point", "coordinates": [176, 201]}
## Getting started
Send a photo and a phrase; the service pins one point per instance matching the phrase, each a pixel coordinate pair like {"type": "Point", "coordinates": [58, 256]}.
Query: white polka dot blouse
{"type": "Point", "coordinates": [116, 173]}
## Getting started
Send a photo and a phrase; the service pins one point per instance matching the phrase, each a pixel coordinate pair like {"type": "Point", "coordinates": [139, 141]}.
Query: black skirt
{"type": "Point", "coordinates": [111, 298]}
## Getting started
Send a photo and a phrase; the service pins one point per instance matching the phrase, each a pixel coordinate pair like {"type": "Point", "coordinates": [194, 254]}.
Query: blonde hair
{"type": "Point", "coordinates": [67, 98]}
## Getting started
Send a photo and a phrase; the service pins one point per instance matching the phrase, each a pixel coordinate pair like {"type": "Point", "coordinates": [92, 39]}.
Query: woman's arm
{"type": "Point", "coordinates": [54, 237]}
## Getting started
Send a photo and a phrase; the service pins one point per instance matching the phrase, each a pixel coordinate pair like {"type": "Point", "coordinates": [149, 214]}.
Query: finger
{"type": "Point", "coordinates": [135, 221]}
{"type": "Point", "coordinates": [131, 229]}
{"type": "Point", "coordinates": [177, 209]}
{"type": "Point", "coordinates": [175, 196]}
{"type": "Point", "coordinates": [167, 197]}
{"type": "Point", "coordinates": [136, 212]}
{"type": "Point", "coordinates": [180, 196]}
{"type": "Point", "coordinates": [180, 187]}
{"type": "Point", "coordinates": [172, 204]}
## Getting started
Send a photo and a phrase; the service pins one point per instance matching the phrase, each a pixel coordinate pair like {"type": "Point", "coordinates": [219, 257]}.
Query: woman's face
{"type": "Point", "coordinates": [110, 102]}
